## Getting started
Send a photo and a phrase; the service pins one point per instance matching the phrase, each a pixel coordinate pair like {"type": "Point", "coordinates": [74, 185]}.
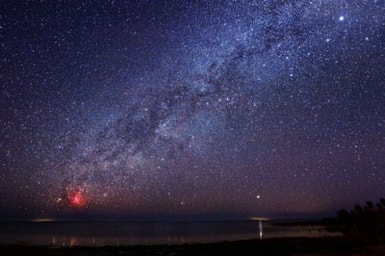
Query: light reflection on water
{"type": "Point", "coordinates": [71, 234]}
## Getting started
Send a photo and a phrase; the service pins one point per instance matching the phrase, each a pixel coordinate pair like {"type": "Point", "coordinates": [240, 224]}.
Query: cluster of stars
{"type": "Point", "coordinates": [148, 107]}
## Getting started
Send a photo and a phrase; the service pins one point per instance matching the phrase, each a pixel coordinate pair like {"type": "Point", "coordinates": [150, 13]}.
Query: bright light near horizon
{"type": "Point", "coordinates": [43, 220]}
{"type": "Point", "coordinates": [259, 218]}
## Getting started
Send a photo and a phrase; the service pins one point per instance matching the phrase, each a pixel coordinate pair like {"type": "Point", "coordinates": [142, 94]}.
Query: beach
{"type": "Point", "coordinates": [277, 246]}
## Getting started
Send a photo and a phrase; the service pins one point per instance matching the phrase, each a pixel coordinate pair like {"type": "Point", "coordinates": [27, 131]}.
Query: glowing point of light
{"type": "Point", "coordinates": [341, 18]}
{"type": "Point", "coordinates": [43, 220]}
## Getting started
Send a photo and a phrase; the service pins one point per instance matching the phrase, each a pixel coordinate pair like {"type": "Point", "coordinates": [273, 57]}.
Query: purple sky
{"type": "Point", "coordinates": [191, 108]}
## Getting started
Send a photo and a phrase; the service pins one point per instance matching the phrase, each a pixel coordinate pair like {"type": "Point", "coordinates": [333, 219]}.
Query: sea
{"type": "Point", "coordinates": [55, 233]}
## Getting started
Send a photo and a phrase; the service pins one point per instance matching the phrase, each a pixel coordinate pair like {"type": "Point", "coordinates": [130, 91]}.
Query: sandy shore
{"type": "Point", "coordinates": [283, 246]}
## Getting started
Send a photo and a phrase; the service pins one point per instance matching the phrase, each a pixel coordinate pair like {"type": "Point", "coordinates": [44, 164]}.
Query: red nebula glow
{"type": "Point", "coordinates": [76, 199]}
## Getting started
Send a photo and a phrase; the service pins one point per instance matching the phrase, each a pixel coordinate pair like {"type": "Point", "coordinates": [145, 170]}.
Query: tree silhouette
{"type": "Point", "coordinates": [368, 221]}
{"type": "Point", "coordinates": [369, 204]}
{"type": "Point", "coordinates": [357, 209]}
{"type": "Point", "coordinates": [382, 201]}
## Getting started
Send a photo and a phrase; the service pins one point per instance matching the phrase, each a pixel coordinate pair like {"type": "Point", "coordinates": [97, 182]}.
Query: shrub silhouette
{"type": "Point", "coordinates": [367, 220]}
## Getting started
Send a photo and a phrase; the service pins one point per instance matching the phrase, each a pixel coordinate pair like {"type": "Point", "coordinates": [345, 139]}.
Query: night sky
{"type": "Point", "coordinates": [142, 109]}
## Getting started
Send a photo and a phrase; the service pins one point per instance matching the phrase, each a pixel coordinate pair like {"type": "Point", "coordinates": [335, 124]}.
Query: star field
{"type": "Point", "coordinates": [201, 108]}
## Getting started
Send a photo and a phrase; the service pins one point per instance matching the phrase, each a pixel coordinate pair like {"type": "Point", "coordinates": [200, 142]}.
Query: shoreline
{"type": "Point", "coordinates": [271, 246]}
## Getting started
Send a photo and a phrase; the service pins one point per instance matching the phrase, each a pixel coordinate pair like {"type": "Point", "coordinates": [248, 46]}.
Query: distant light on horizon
{"type": "Point", "coordinates": [43, 220]}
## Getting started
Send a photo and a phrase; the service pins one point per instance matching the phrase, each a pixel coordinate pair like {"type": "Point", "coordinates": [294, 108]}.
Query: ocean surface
{"type": "Point", "coordinates": [121, 233]}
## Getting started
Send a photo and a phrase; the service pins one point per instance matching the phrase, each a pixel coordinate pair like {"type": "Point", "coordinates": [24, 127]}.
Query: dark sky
{"type": "Point", "coordinates": [191, 108]}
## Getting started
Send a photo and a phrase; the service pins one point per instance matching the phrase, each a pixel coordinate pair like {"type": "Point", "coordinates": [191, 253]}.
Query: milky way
{"type": "Point", "coordinates": [196, 108]}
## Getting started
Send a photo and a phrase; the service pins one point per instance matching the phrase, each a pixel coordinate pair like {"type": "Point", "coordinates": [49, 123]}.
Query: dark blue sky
{"type": "Point", "coordinates": [193, 108]}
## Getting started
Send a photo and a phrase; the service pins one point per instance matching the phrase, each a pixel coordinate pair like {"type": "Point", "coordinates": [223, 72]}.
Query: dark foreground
{"type": "Point", "coordinates": [282, 246]}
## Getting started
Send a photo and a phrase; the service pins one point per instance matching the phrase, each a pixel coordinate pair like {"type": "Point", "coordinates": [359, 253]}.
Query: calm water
{"type": "Point", "coordinates": [144, 232]}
